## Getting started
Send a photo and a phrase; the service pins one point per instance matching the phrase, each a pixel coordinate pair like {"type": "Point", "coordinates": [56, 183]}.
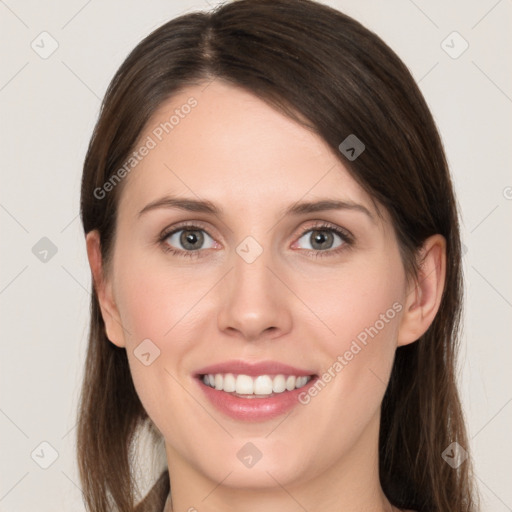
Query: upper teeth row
{"type": "Point", "coordinates": [260, 385]}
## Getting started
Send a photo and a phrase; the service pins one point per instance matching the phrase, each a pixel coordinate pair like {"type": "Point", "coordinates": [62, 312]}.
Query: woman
{"type": "Point", "coordinates": [273, 239]}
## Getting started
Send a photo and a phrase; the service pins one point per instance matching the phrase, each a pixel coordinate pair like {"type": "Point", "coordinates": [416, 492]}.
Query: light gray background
{"type": "Point", "coordinates": [48, 110]}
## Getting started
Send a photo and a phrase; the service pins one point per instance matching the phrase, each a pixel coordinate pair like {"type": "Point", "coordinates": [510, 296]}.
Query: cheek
{"type": "Point", "coordinates": [362, 309]}
{"type": "Point", "coordinates": [157, 305]}
{"type": "Point", "coordinates": [165, 306]}
{"type": "Point", "coordinates": [158, 302]}
{"type": "Point", "coordinates": [361, 302]}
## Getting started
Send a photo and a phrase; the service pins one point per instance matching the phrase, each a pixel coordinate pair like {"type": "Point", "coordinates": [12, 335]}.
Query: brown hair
{"type": "Point", "coordinates": [334, 76]}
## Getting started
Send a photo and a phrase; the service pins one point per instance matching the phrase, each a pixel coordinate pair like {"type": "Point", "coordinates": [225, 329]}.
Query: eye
{"type": "Point", "coordinates": [187, 240]}
{"type": "Point", "coordinates": [325, 239]}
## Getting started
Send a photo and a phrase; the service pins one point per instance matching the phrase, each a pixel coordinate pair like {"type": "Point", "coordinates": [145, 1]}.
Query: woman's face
{"type": "Point", "coordinates": [250, 288]}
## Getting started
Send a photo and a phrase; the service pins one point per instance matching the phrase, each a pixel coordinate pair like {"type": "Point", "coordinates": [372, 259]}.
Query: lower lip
{"type": "Point", "coordinates": [254, 409]}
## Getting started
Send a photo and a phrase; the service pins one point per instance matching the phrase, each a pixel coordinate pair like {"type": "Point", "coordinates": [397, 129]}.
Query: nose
{"type": "Point", "coordinates": [254, 303]}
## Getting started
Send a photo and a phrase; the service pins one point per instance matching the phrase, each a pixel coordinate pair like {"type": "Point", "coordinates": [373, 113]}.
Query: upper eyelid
{"type": "Point", "coordinates": [167, 232]}
{"type": "Point", "coordinates": [327, 226]}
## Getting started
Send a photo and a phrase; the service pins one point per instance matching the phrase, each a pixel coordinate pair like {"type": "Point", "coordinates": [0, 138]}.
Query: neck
{"type": "Point", "coordinates": [351, 484]}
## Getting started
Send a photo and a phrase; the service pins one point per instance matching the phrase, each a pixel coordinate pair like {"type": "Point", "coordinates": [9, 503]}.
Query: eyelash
{"type": "Point", "coordinates": [345, 235]}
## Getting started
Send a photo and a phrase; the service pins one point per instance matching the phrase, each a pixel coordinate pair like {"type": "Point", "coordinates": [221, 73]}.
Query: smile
{"type": "Point", "coordinates": [261, 386]}
{"type": "Point", "coordinates": [254, 391]}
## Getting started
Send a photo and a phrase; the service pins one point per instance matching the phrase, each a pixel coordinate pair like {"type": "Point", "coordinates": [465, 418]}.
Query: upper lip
{"type": "Point", "coordinates": [253, 369]}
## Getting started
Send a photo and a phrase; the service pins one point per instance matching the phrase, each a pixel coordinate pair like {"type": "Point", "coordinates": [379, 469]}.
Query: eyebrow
{"type": "Point", "coordinates": [205, 206]}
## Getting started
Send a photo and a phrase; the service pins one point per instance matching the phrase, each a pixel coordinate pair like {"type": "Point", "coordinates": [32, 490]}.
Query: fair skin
{"type": "Point", "coordinates": [248, 159]}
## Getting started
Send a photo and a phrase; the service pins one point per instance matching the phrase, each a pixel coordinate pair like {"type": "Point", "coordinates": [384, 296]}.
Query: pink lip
{"type": "Point", "coordinates": [239, 367]}
{"type": "Point", "coordinates": [253, 409]}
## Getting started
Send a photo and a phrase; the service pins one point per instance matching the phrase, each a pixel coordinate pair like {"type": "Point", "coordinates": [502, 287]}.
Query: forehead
{"type": "Point", "coordinates": [221, 143]}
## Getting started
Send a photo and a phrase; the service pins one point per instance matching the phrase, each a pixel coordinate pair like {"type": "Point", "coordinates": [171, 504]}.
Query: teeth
{"type": "Point", "coordinates": [301, 381]}
{"type": "Point", "coordinates": [244, 385]}
{"type": "Point", "coordinates": [279, 383]}
{"type": "Point", "coordinates": [229, 383]}
{"type": "Point", "coordinates": [262, 385]}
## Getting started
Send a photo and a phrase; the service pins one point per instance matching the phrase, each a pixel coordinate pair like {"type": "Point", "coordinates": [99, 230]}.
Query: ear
{"type": "Point", "coordinates": [103, 287]}
{"type": "Point", "coordinates": [424, 296]}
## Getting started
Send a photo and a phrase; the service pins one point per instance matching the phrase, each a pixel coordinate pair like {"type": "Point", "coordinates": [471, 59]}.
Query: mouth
{"type": "Point", "coordinates": [254, 392]}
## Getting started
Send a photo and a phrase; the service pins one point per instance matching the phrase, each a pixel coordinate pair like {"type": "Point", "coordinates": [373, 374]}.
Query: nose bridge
{"type": "Point", "coordinates": [251, 273]}
{"type": "Point", "coordinates": [252, 301]}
